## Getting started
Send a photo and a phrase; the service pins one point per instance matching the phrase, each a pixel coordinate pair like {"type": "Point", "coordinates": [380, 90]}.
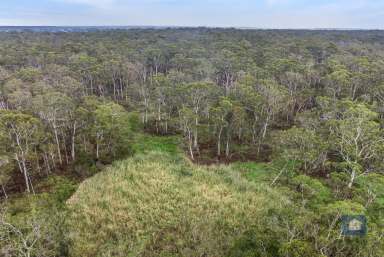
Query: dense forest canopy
{"type": "Point", "coordinates": [309, 105]}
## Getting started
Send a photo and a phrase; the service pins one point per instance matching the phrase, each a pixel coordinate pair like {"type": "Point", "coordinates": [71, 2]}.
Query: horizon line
{"type": "Point", "coordinates": [190, 26]}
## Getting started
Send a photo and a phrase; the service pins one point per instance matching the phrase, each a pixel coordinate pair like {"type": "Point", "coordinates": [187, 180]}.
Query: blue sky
{"type": "Point", "coordinates": [365, 14]}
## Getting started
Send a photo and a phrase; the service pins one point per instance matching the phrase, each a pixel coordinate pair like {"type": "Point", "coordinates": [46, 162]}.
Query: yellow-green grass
{"type": "Point", "coordinates": [156, 205]}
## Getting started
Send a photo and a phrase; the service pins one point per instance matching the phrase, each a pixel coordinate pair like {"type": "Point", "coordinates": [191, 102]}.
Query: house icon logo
{"type": "Point", "coordinates": [353, 225]}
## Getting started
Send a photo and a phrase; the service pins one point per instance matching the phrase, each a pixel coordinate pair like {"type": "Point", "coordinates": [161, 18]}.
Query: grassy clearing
{"type": "Point", "coordinates": [144, 143]}
{"type": "Point", "coordinates": [160, 204]}
{"type": "Point", "coordinates": [154, 205]}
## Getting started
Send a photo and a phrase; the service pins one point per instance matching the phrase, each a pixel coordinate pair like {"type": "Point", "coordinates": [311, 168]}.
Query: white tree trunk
{"type": "Point", "coordinates": [195, 137]}
{"type": "Point", "coordinates": [57, 143]}
{"type": "Point", "coordinates": [5, 193]}
{"type": "Point", "coordinates": [190, 144]}
{"type": "Point", "coordinates": [219, 142]}
{"type": "Point", "coordinates": [227, 148]}
{"type": "Point", "coordinates": [352, 180]}
{"type": "Point", "coordinates": [73, 152]}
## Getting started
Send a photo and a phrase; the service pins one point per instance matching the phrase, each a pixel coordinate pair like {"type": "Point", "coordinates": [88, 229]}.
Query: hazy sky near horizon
{"type": "Point", "coordinates": [366, 14]}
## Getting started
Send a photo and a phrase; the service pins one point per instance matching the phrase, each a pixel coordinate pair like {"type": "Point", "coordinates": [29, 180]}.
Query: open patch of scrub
{"type": "Point", "coordinates": [152, 205]}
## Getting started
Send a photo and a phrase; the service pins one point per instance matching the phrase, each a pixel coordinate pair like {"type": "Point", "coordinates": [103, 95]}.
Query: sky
{"type": "Point", "coordinates": [350, 14]}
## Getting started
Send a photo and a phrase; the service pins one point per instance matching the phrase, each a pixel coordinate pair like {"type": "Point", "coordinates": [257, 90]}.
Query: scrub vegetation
{"type": "Point", "coordinates": [191, 142]}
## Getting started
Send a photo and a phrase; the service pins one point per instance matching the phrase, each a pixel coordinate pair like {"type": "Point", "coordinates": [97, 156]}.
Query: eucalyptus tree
{"type": "Point", "coordinates": [60, 78]}
{"type": "Point", "coordinates": [358, 139]}
{"type": "Point", "coordinates": [304, 146]}
{"type": "Point", "coordinates": [154, 59]}
{"type": "Point", "coordinates": [4, 75]}
{"type": "Point", "coordinates": [198, 97]}
{"type": "Point", "coordinates": [161, 95]}
{"type": "Point", "coordinates": [338, 80]}
{"type": "Point", "coordinates": [220, 114]}
{"type": "Point", "coordinates": [252, 102]}
{"type": "Point", "coordinates": [22, 133]}
{"type": "Point", "coordinates": [225, 70]}
{"type": "Point", "coordinates": [86, 68]}
{"type": "Point", "coordinates": [144, 86]}
{"type": "Point", "coordinates": [274, 98]}
{"type": "Point", "coordinates": [362, 74]}
{"type": "Point", "coordinates": [110, 130]}
{"type": "Point", "coordinates": [6, 168]}
{"type": "Point", "coordinates": [55, 109]}
{"type": "Point", "coordinates": [295, 84]}
{"type": "Point", "coordinates": [187, 121]}
{"type": "Point", "coordinates": [17, 94]}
